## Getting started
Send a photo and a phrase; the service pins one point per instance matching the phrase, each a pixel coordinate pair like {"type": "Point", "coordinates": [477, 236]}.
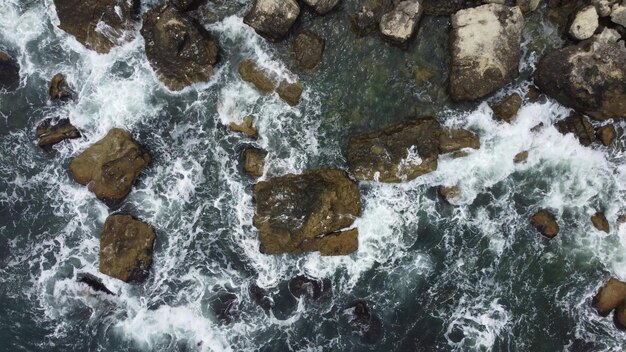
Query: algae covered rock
{"type": "Point", "coordinates": [272, 18]}
{"type": "Point", "coordinates": [252, 73]}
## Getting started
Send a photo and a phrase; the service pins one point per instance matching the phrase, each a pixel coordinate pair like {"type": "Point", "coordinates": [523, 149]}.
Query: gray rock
{"type": "Point", "coordinates": [585, 23]}
{"type": "Point", "coordinates": [272, 18]}
{"type": "Point", "coordinates": [618, 15]}
{"type": "Point", "coordinates": [399, 25]}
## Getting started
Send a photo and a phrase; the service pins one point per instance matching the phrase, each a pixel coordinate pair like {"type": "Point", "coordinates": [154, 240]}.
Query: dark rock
{"type": "Point", "coordinates": [600, 222]}
{"type": "Point", "coordinates": [368, 18]}
{"type": "Point", "coordinates": [272, 18]}
{"type": "Point", "coordinates": [313, 288]}
{"type": "Point", "coordinates": [322, 7]}
{"type": "Point", "coordinates": [179, 50]}
{"type": "Point", "coordinates": [308, 49]}
{"type": "Point", "coordinates": [186, 5]}
{"type": "Point", "coordinates": [537, 128]}
{"type": "Point", "coordinates": [507, 108]}
{"type": "Point", "coordinates": [579, 126]}
{"type": "Point", "coordinates": [606, 134]}
{"type": "Point", "coordinates": [621, 219]}
{"type": "Point", "coordinates": [9, 72]}
{"type": "Point", "coordinates": [260, 297]}
{"type": "Point", "coordinates": [295, 212]}
{"type": "Point", "coordinates": [448, 7]}
{"type": "Point", "coordinates": [611, 295]}
{"type": "Point", "coordinates": [454, 139]}
{"type": "Point", "coordinates": [94, 282]}
{"type": "Point", "coordinates": [110, 166]}
{"type": "Point", "coordinates": [485, 50]}
{"type": "Point", "coordinates": [339, 243]}
{"type": "Point", "coordinates": [50, 132]}
{"type": "Point", "coordinates": [246, 127]}
{"type": "Point", "coordinates": [521, 157]}
{"type": "Point", "coordinates": [527, 6]}
{"type": "Point", "coordinates": [59, 89]}
{"type": "Point", "coordinates": [251, 73]}
{"type": "Point", "coordinates": [533, 94]}
{"type": "Point", "coordinates": [290, 92]}
{"type": "Point", "coordinates": [254, 161]}
{"type": "Point", "coordinates": [98, 24]}
{"type": "Point", "coordinates": [449, 193]}
{"type": "Point", "coordinates": [225, 306]}
{"type": "Point", "coordinates": [587, 77]}
{"type": "Point", "coordinates": [397, 153]}
{"type": "Point", "coordinates": [126, 248]}
{"type": "Point", "coordinates": [545, 223]}
{"type": "Point", "coordinates": [400, 24]}
{"type": "Point", "coordinates": [368, 325]}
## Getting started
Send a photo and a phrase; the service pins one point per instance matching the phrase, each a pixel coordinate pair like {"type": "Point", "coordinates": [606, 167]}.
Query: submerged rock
{"type": "Point", "coordinates": [9, 72]}
{"type": "Point", "coordinates": [246, 127]}
{"type": "Point", "coordinates": [579, 126]}
{"type": "Point", "coordinates": [367, 324]}
{"type": "Point", "coordinates": [290, 92]}
{"type": "Point", "coordinates": [600, 222]}
{"type": "Point", "coordinates": [126, 248]}
{"type": "Point", "coordinates": [454, 139]}
{"type": "Point", "coordinates": [585, 23]}
{"type": "Point", "coordinates": [179, 50]}
{"type": "Point", "coordinates": [368, 18]}
{"type": "Point", "coordinates": [606, 134]}
{"type": "Point", "coordinates": [251, 73]}
{"type": "Point", "coordinates": [397, 153]}
{"type": "Point", "coordinates": [110, 166]}
{"type": "Point", "coordinates": [225, 306]}
{"type": "Point", "coordinates": [272, 18]}
{"type": "Point", "coordinates": [59, 89]}
{"type": "Point", "coordinates": [260, 297]}
{"type": "Point", "coordinates": [485, 50]}
{"type": "Point", "coordinates": [611, 295]}
{"type": "Point", "coordinates": [449, 193]}
{"type": "Point", "coordinates": [313, 288]}
{"type": "Point", "coordinates": [254, 161]}
{"type": "Point", "coordinates": [295, 212]}
{"type": "Point", "coordinates": [94, 282]}
{"type": "Point", "coordinates": [308, 49]}
{"type": "Point", "coordinates": [99, 25]}
{"type": "Point", "coordinates": [545, 223]}
{"type": "Point", "coordinates": [507, 108]}
{"type": "Point", "coordinates": [50, 132]}
{"type": "Point", "coordinates": [588, 77]}
{"type": "Point", "coordinates": [399, 25]}
{"type": "Point", "coordinates": [322, 7]}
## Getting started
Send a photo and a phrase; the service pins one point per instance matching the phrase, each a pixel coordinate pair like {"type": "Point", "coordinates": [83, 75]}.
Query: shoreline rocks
{"type": "Point", "coordinates": [600, 222]}
{"type": "Point", "coordinates": [506, 109]}
{"type": "Point", "coordinates": [59, 89]}
{"type": "Point", "coordinates": [272, 19]}
{"type": "Point", "coordinates": [322, 7]}
{"type": "Point", "coordinates": [579, 126]}
{"type": "Point", "coordinates": [606, 134]}
{"type": "Point", "coordinates": [366, 323]}
{"type": "Point", "coordinates": [287, 91]}
{"type": "Point", "coordinates": [254, 161]}
{"type": "Point", "coordinates": [50, 132]}
{"type": "Point", "coordinates": [312, 288]}
{"type": "Point", "coordinates": [308, 49]}
{"type": "Point", "coordinates": [246, 127]}
{"type": "Point", "coordinates": [585, 23]}
{"type": "Point", "coordinates": [94, 282]}
{"type": "Point", "coordinates": [9, 72]}
{"type": "Point", "coordinates": [610, 296]}
{"type": "Point", "coordinates": [400, 24]}
{"type": "Point", "coordinates": [545, 223]}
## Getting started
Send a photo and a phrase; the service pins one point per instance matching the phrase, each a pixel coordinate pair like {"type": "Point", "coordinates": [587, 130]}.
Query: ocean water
{"type": "Point", "coordinates": [471, 276]}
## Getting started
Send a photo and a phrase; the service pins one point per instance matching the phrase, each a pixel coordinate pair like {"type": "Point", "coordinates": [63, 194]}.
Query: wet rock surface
{"type": "Point", "coordinates": [304, 286]}
{"type": "Point", "coordinates": [585, 23]}
{"type": "Point", "coordinates": [225, 306]}
{"type": "Point", "coordinates": [246, 127]}
{"type": "Point", "coordinates": [290, 92]}
{"type": "Point", "coordinates": [545, 223]}
{"type": "Point", "coordinates": [606, 134]}
{"type": "Point", "coordinates": [600, 222]}
{"type": "Point", "coordinates": [322, 7]}
{"type": "Point", "coordinates": [400, 24]}
{"type": "Point", "coordinates": [252, 73]}
{"type": "Point", "coordinates": [260, 297]}
{"type": "Point", "coordinates": [254, 161]}
{"type": "Point", "coordinates": [449, 193]}
{"type": "Point", "coordinates": [366, 323]}
{"type": "Point", "coordinates": [610, 296]}
{"type": "Point", "coordinates": [59, 88]}
{"type": "Point", "coordinates": [520, 157]}
{"type": "Point", "coordinates": [9, 72]}
{"type": "Point", "coordinates": [94, 282]}
{"type": "Point", "coordinates": [272, 18]}
{"type": "Point", "coordinates": [507, 108]}
{"type": "Point", "coordinates": [367, 19]}
{"type": "Point", "coordinates": [52, 131]}
{"type": "Point", "coordinates": [308, 49]}
{"type": "Point", "coordinates": [579, 126]}
{"type": "Point", "coordinates": [454, 139]}
{"type": "Point", "coordinates": [448, 7]}
{"type": "Point", "coordinates": [126, 248]}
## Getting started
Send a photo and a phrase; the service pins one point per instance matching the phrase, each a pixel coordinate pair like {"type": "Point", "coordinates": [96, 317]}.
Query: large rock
{"type": "Point", "coordinates": [126, 248]}
{"type": "Point", "coordinates": [585, 23]}
{"type": "Point", "coordinates": [579, 126]}
{"type": "Point", "coordinates": [246, 127]}
{"type": "Point", "coordinates": [9, 72]}
{"type": "Point", "coordinates": [545, 223]}
{"type": "Point", "coordinates": [322, 7]}
{"type": "Point", "coordinates": [589, 77]}
{"type": "Point", "coordinates": [397, 153]}
{"type": "Point", "coordinates": [296, 212]}
{"type": "Point", "coordinates": [111, 165]}
{"type": "Point", "coordinates": [611, 295]}
{"type": "Point", "coordinates": [50, 132]}
{"type": "Point", "coordinates": [98, 24]}
{"type": "Point", "coordinates": [308, 48]}
{"type": "Point", "coordinates": [485, 50]}
{"type": "Point", "coordinates": [179, 50]}
{"type": "Point", "coordinates": [272, 18]}
{"type": "Point", "coordinates": [399, 25]}
{"type": "Point", "coordinates": [507, 108]}
{"type": "Point", "coordinates": [252, 73]}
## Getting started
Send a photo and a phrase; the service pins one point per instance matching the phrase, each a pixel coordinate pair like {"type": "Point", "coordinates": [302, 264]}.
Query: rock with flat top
{"type": "Point", "coordinates": [545, 223]}
{"type": "Point", "coordinates": [246, 127]}
{"type": "Point", "coordinates": [9, 72]}
{"type": "Point", "coordinates": [399, 25]}
{"type": "Point", "coordinates": [606, 134]}
{"type": "Point", "coordinates": [272, 18]}
{"type": "Point", "coordinates": [507, 108]}
{"type": "Point", "coordinates": [290, 92]}
{"type": "Point", "coordinates": [455, 139]}
{"type": "Point", "coordinates": [322, 7]}
{"type": "Point", "coordinates": [610, 296]}
{"type": "Point", "coordinates": [585, 23]}
{"type": "Point", "coordinates": [252, 73]}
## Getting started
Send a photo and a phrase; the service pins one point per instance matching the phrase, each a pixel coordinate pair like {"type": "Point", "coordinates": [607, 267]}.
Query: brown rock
{"type": "Point", "coordinates": [453, 139]}
{"type": "Point", "coordinates": [507, 108]}
{"type": "Point", "coordinates": [600, 222]}
{"type": "Point", "coordinates": [308, 49]}
{"type": "Point", "coordinates": [579, 126]}
{"type": "Point", "coordinates": [533, 94]}
{"type": "Point", "coordinates": [110, 166]}
{"type": "Point", "coordinates": [251, 73]}
{"type": "Point", "coordinates": [367, 19]}
{"type": "Point", "coordinates": [322, 7]}
{"type": "Point", "coordinates": [59, 89]}
{"type": "Point", "coordinates": [620, 315]}
{"type": "Point", "coordinates": [545, 223]}
{"type": "Point", "coordinates": [272, 18]}
{"type": "Point", "coordinates": [290, 92]}
{"type": "Point", "coordinates": [611, 295]}
{"type": "Point", "coordinates": [606, 134]}
{"type": "Point", "coordinates": [339, 243]}
{"type": "Point", "coordinates": [50, 132]}
{"type": "Point", "coordinates": [126, 248]}
{"type": "Point", "coordinates": [449, 193]}
{"type": "Point", "coordinates": [521, 157]}
{"type": "Point", "coordinates": [621, 219]}
{"type": "Point", "coordinates": [9, 72]}
{"type": "Point", "coordinates": [246, 127]}
{"type": "Point", "coordinates": [254, 161]}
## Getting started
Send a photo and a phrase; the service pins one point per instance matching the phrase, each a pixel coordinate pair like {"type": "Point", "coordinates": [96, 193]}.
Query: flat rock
{"type": "Point", "coordinates": [600, 222]}
{"type": "Point", "coordinates": [254, 161]}
{"type": "Point", "coordinates": [455, 139]}
{"type": "Point", "coordinates": [246, 127]}
{"type": "Point", "coordinates": [322, 7]}
{"type": "Point", "coordinates": [336, 243]}
{"type": "Point", "coordinates": [252, 73]}
{"type": "Point", "coordinates": [9, 72]}
{"type": "Point", "coordinates": [545, 223]}
{"type": "Point", "coordinates": [606, 134]}
{"type": "Point", "coordinates": [506, 109]}
{"type": "Point", "coordinates": [611, 295]}
{"type": "Point", "coordinates": [400, 24]}
{"type": "Point", "coordinates": [585, 23]}
{"type": "Point", "coordinates": [126, 248]}
{"type": "Point", "coordinates": [272, 18]}
{"type": "Point", "coordinates": [485, 50]}
{"type": "Point", "coordinates": [308, 49]}
{"type": "Point", "coordinates": [579, 126]}
{"type": "Point", "coordinates": [50, 132]}
{"type": "Point", "coordinates": [110, 166]}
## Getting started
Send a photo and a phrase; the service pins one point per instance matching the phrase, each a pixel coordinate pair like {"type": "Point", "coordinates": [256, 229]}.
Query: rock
{"type": "Point", "coordinates": [449, 193]}
{"type": "Point", "coordinates": [94, 282]}
{"type": "Point", "coordinates": [110, 166]}
{"type": "Point", "coordinates": [99, 25]}
{"type": "Point", "coordinates": [611, 295]}
{"type": "Point", "coordinates": [620, 315]}
{"type": "Point", "coordinates": [179, 50]}
{"type": "Point", "coordinates": [9, 72]}
{"type": "Point", "coordinates": [225, 306]}
{"type": "Point", "coordinates": [251, 73]}
{"type": "Point", "coordinates": [507, 108]}
{"type": "Point", "coordinates": [338, 243]}
{"type": "Point", "coordinates": [603, 7]}
{"type": "Point", "coordinates": [485, 50]}
{"type": "Point", "coordinates": [260, 297]}
{"type": "Point", "coordinates": [308, 49]}
{"type": "Point", "coordinates": [290, 92]}
{"type": "Point", "coordinates": [588, 77]}
{"type": "Point", "coordinates": [246, 127]}
{"type": "Point", "coordinates": [606, 134]}
{"type": "Point", "coordinates": [186, 5]}
{"type": "Point", "coordinates": [272, 18]}
{"type": "Point", "coordinates": [368, 18]}
{"type": "Point", "coordinates": [295, 212]}
{"type": "Point", "coordinates": [59, 89]}
{"type": "Point", "coordinates": [600, 222]}
{"type": "Point", "coordinates": [520, 157]}
{"type": "Point", "coordinates": [527, 6]}
{"type": "Point", "coordinates": [618, 14]}
{"type": "Point", "coordinates": [454, 139]}
{"type": "Point", "coordinates": [537, 127]}
{"type": "Point", "coordinates": [621, 219]}
{"type": "Point", "coordinates": [579, 126]}
{"type": "Point", "coordinates": [126, 248]}
{"type": "Point", "coordinates": [533, 94]}
{"type": "Point", "coordinates": [254, 163]}
{"type": "Point", "coordinates": [448, 7]}
{"type": "Point", "coordinates": [322, 7]}
{"type": "Point", "coordinates": [399, 25]}
{"type": "Point", "coordinates": [585, 23]}
{"type": "Point", "coordinates": [367, 324]}
{"type": "Point", "coordinates": [545, 223]}
{"type": "Point", "coordinates": [398, 153]}
{"type": "Point", "coordinates": [50, 132]}
{"type": "Point", "coordinates": [313, 288]}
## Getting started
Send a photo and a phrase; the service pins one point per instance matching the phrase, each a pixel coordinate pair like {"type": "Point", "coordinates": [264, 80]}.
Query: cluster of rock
{"type": "Point", "coordinates": [397, 21]}
{"type": "Point", "coordinates": [252, 73]}
{"type": "Point", "coordinates": [612, 297]}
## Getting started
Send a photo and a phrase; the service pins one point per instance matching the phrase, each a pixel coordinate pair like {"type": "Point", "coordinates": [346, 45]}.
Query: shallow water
{"type": "Point", "coordinates": [469, 276]}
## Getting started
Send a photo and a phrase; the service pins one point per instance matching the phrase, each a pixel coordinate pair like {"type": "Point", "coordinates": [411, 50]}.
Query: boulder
{"type": "Point", "coordinates": [246, 127]}
{"type": "Point", "coordinates": [603, 7]}
{"type": "Point", "coordinates": [364, 322]}
{"type": "Point", "coordinates": [606, 134]}
{"type": "Point", "coordinates": [588, 77]}
{"type": "Point", "coordinates": [585, 23]}
{"type": "Point", "coordinates": [9, 72]}
{"type": "Point", "coordinates": [308, 49]}
{"type": "Point", "coordinates": [59, 89]}
{"type": "Point", "coordinates": [455, 139]}
{"type": "Point", "coordinates": [254, 161]}
{"type": "Point", "coordinates": [322, 7]}
{"type": "Point", "coordinates": [295, 212]}
{"type": "Point", "coordinates": [51, 131]}
{"type": "Point", "coordinates": [251, 73]}
{"type": "Point", "coordinates": [260, 297]}
{"type": "Point", "coordinates": [620, 315]}
{"type": "Point", "coordinates": [448, 7]}
{"type": "Point", "coordinates": [313, 288]}
{"type": "Point", "coordinates": [485, 50]}
{"type": "Point", "coordinates": [126, 248]}
{"type": "Point", "coordinates": [527, 6]}
{"type": "Point", "coordinates": [600, 222]}
{"type": "Point", "coordinates": [521, 157]}
{"type": "Point", "coordinates": [399, 25]}
{"type": "Point", "coordinates": [225, 306]}
{"type": "Point", "coordinates": [611, 295]}
{"type": "Point", "coordinates": [272, 18]}
{"type": "Point", "coordinates": [110, 166]}
{"type": "Point", "coordinates": [449, 193]}
{"type": "Point", "coordinates": [368, 18]}
{"type": "Point", "coordinates": [290, 92]}
{"type": "Point", "coordinates": [99, 25]}
{"type": "Point", "coordinates": [180, 51]}
{"type": "Point", "coordinates": [94, 282]}
{"type": "Point", "coordinates": [579, 126]}
{"type": "Point", "coordinates": [618, 14]}
{"type": "Point", "coordinates": [506, 109]}
{"type": "Point", "coordinates": [545, 223]}
{"type": "Point", "coordinates": [397, 153]}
